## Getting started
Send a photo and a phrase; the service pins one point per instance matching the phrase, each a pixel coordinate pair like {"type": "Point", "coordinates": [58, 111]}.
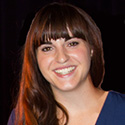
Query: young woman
{"type": "Point", "coordinates": [62, 72]}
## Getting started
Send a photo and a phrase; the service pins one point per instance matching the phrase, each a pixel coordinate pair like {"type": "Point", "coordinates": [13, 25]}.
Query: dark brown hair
{"type": "Point", "coordinates": [36, 103]}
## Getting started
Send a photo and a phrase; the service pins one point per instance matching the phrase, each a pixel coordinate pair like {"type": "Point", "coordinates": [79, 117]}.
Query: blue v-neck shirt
{"type": "Point", "coordinates": [112, 113]}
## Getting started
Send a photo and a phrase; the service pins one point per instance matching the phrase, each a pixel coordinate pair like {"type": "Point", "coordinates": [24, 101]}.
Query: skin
{"type": "Point", "coordinates": [63, 54]}
{"type": "Point", "coordinates": [74, 90]}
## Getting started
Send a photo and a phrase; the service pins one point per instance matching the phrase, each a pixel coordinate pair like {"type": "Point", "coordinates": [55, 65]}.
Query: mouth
{"type": "Point", "coordinates": [65, 70]}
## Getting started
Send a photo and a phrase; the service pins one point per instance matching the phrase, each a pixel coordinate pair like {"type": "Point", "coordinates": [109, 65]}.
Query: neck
{"type": "Point", "coordinates": [79, 99]}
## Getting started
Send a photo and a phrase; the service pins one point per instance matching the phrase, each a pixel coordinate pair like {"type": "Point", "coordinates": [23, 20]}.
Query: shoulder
{"type": "Point", "coordinates": [117, 98]}
{"type": "Point", "coordinates": [117, 104]}
{"type": "Point", "coordinates": [11, 118]}
{"type": "Point", "coordinates": [113, 111]}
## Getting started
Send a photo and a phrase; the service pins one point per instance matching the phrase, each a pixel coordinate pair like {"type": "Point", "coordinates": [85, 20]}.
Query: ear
{"type": "Point", "coordinates": [91, 53]}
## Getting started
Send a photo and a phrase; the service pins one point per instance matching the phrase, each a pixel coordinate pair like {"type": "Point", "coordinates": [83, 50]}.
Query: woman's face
{"type": "Point", "coordinates": [64, 64]}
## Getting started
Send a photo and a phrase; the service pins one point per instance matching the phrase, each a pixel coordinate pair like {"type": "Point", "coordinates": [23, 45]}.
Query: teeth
{"type": "Point", "coordinates": [65, 71]}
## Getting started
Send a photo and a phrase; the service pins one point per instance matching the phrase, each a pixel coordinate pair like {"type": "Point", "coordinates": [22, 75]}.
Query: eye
{"type": "Point", "coordinates": [72, 44]}
{"type": "Point", "coordinates": [46, 49]}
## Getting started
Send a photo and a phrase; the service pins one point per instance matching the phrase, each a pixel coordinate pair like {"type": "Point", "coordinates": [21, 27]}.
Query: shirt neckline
{"type": "Point", "coordinates": [103, 107]}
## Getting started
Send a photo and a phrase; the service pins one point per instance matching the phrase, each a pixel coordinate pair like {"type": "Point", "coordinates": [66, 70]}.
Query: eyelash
{"type": "Point", "coordinates": [72, 44]}
{"type": "Point", "coordinates": [46, 49]}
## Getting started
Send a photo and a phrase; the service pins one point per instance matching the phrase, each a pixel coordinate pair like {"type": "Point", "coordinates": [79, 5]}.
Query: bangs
{"type": "Point", "coordinates": [59, 21]}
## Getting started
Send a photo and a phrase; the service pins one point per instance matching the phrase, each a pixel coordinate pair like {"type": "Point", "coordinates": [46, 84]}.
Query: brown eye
{"type": "Point", "coordinates": [46, 49]}
{"type": "Point", "coordinates": [72, 44]}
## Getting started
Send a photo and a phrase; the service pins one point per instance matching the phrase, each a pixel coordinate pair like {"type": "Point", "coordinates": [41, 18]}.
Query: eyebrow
{"type": "Point", "coordinates": [46, 42]}
{"type": "Point", "coordinates": [49, 42]}
{"type": "Point", "coordinates": [68, 38]}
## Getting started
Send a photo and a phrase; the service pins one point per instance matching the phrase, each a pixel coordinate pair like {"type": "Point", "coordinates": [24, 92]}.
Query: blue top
{"type": "Point", "coordinates": [112, 113]}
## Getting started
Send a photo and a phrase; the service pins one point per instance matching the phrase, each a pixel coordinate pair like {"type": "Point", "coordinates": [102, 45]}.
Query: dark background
{"type": "Point", "coordinates": [15, 17]}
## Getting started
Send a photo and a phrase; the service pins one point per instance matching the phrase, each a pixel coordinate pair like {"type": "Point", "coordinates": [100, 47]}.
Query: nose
{"type": "Point", "coordinates": [62, 56]}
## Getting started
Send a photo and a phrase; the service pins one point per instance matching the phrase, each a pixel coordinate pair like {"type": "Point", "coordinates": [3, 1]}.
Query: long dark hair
{"type": "Point", "coordinates": [36, 104]}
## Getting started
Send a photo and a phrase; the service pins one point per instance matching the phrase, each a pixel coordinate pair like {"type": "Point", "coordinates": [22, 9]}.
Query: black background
{"type": "Point", "coordinates": [15, 18]}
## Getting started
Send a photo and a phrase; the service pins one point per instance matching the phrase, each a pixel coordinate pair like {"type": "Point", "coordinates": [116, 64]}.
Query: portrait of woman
{"type": "Point", "coordinates": [62, 72]}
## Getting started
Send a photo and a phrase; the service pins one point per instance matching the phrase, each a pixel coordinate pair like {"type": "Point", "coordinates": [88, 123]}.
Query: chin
{"type": "Point", "coordinates": [64, 87]}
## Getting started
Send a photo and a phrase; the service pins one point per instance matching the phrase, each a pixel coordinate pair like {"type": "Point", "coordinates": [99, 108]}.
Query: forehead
{"type": "Point", "coordinates": [58, 41]}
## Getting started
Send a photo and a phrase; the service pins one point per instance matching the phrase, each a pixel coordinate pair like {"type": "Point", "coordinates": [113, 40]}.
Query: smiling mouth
{"type": "Point", "coordinates": [65, 71]}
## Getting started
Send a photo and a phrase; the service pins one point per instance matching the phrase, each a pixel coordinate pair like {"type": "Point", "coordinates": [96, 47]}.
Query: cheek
{"type": "Point", "coordinates": [43, 63]}
{"type": "Point", "coordinates": [81, 55]}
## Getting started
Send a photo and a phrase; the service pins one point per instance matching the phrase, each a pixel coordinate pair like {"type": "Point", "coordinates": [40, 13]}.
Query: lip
{"type": "Point", "coordinates": [65, 75]}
